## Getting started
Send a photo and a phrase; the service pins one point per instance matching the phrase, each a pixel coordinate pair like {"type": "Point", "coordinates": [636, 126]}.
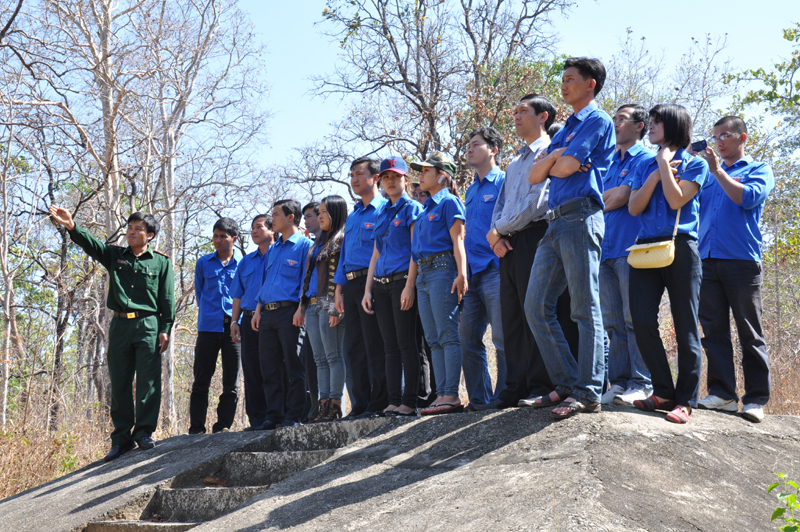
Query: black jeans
{"type": "Point", "coordinates": [255, 404]}
{"type": "Point", "coordinates": [363, 345]}
{"type": "Point", "coordinates": [527, 374]}
{"type": "Point", "coordinates": [682, 280]}
{"type": "Point", "coordinates": [399, 332]}
{"type": "Point", "coordinates": [734, 286]}
{"type": "Point", "coordinates": [281, 367]}
{"type": "Point", "coordinates": [208, 346]}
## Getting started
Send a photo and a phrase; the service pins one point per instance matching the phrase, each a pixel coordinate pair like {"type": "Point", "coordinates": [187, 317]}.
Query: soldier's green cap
{"type": "Point", "coordinates": [438, 160]}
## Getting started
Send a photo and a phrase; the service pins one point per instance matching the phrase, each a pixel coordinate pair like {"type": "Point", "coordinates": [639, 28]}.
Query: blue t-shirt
{"type": "Point", "coordinates": [357, 245]}
{"type": "Point", "coordinates": [393, 235]}
{"type": "Point", "coordinates": [283, 279]}
{"type": "Point", "coordinates": [589, 137]}
{"type": "Point", "coordinates": [727, 230]}
{"type": "Point", "coordinates": [480, 200]}
{"type": "Point", "coordinates": [432, 229]}
{"type": "Point", "coordinates": [658, 219]}
{"type": "Point", "coordinates": [249, 278]}
{"type": "Point", "coordinates": [212, 288]}
{"type": "Point", "coordinates": [621, 227]}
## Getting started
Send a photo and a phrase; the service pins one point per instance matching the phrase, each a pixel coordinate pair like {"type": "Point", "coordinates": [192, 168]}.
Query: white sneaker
{"type": "Point", "coordinates": [712, 402]}
{"type": "Point", "coordinates": [753, 412]}
{"type": "Point", "coordinates": [612, 392]}
{"type": "Point", "coordinates": [631, 395]}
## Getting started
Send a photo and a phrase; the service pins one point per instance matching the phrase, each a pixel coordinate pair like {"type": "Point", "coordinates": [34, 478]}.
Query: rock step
{"type": "Point", "coordinates": [137, 526]}
{"type": "Point", "coordinates": [199, 504]}
{"type": "Point", "coordinates": [258, 469]}
{"type": "Point", "coordinates": [316, 437]}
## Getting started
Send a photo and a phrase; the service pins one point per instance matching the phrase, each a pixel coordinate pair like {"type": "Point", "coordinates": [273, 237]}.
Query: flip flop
{"type": "Point", "coordinates": [442, 408]}
{"type": "Point", "coordinates": [576, 407]}
{"type": "Point", "coordinates": [680, 414]}
{"type": "Point", "coordinates": [546, 401]}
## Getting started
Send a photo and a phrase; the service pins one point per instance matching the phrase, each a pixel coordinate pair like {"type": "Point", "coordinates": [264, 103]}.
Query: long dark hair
{"type": "Point", "coordinates": [677, 124]}
{"type": "Point", "coordinates": [337, 211]}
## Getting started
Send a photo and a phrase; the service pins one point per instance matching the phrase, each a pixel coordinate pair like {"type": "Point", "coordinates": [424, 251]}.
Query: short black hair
{"type": "Point", "coordinates": [735, 123]}
{"type": "Point", "coordinates": [373, 166]}
{"type": "Point", "coordinates": [638, 114]}
{"type": "Point", "coordinates": [289, 206]}
{"type": "Point", "coordinates": [227, 225]}
{"type": "Point", "coordinates": [149, 220]}
{"type": "Point", "coordinates": [588, 68]}
{"type": "Point", "coordinates": [541, 104]}
{"type": "Point", "coordinates": [266, 217]}
{"type": "Point", "coordinates": [555, 128]}
{"type": "Point", "coordinates": [311, 205]}
{"type": "Point", "coordinates": [492, 137]}
{"type": "Point", "coordinates": [677, 124]}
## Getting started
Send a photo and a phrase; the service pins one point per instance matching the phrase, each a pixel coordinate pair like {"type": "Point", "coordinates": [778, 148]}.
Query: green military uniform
{"type": "Point", "coordinates": [141, 295]}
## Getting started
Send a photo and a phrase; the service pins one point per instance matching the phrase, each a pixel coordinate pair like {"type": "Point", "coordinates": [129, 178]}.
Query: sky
{"type": "Point", "coordinates": [297, 50]}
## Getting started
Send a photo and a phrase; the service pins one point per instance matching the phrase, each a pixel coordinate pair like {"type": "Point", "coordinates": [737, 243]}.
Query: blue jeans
{"type": "Point", "coordinates": [626, 366]}
{"type": "Point", "coordinates": [328, 345]}
{"type": "Point", "coordinates": [569, 257]}
{"type": "Point", "coordinates": [480, 306]}
{"type": "Point", "coordinates": [438, 309]}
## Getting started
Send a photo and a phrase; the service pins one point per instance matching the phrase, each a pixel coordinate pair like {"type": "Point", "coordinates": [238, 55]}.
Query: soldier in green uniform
{"type": "Point", "coordinates": [141, 297]}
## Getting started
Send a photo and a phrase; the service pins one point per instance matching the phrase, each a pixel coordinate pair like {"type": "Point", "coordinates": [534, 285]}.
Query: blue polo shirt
{"type": "Point", "coordinates": [357, 245]}
{"type": "Point", "coordinates": [283, 278]}
{"type": "Point", "coordinates": [727, 230]}
{"type": "Point", "coordinates": [249, 278]}
{"type": "Point", "coordinates": [312, 282]}
{"type": "Point", "coordinates": [480, 200]}
{"type": "Point", "coordinates": [432, 229]}
{"type": "Point", "coordinates": [212, 288]}
{"type": "Point", "coordinates": [658, 219]}
{"type": "Point", "coordinates": [589, 137]}
{"type": "Point", "coordinates": [393, 235]}
{"type": "Point", "coordinates": [621, 227]}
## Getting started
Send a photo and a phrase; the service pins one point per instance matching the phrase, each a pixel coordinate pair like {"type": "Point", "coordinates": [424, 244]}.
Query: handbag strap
{"type": "Point", "coordinates": [677, 219]}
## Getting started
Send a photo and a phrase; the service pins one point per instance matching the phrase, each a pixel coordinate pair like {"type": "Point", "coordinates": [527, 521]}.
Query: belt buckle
{"type": "Point", "coordinates": [130, 315]}
{"type": "Point", "coordinates": [383, 280]}
{"type": "Point", "coordinates": [272, 306]}
{"type": "Point", "coordinates": [351, 276]}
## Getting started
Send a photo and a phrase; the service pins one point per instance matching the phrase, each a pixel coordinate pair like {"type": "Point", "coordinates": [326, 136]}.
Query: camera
{"type": "Point", "coordinates": [699, 146]}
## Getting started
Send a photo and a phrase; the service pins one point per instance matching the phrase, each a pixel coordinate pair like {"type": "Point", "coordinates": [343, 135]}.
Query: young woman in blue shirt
{"type": "Point", "coordinates": [669, 183]}
{"type": "Point", "coordinates": [390, 293]}
{"type": "Point", "coordinates": [438, 248]}
{"type": "Point", "coordinates": [317, 309]}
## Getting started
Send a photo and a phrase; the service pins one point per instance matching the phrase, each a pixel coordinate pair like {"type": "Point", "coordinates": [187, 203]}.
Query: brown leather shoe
{"type": "Point", "coordinates": [324, 405]}
{"type": "Point", "coordinates": [334, 411]}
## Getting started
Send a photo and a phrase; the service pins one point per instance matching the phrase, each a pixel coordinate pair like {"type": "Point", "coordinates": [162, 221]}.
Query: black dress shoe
{"type": "Point", "coordinates": [289, 423]}
{"type": "Point", "coordinates": [267, 425]}
{"type": "Point", "coordinates": [145, 442]}
{"type": "Point", "coordinates": [118, 450]}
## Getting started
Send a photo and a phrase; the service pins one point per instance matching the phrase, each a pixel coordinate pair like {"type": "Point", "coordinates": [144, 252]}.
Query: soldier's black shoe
{"type": "Point", "coordinates": [118, 450]}
{"type": "Point", "coordinates": [145, 442]}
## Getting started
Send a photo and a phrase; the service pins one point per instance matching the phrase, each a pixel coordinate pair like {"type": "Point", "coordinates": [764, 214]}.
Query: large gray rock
{"type": "Point", "coordinates": [617, 471]}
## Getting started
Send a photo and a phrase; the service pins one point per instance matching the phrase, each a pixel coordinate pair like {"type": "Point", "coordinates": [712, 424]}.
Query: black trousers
{"type": "Point", "coordinates": [281, 367]}
{"type": "Point", "coordinates": [255, 404]}
{"type": "Point", "coordinates": [399, 331]}
{"type": "Point", "coordinates": [734, 286]}
{"type": "Point", "coordinates": [307, 354]}
{"type": "Point", "coordinates": [682, 280]}
{"type": "Point", "coordinates": [208, 346]}
{"type": "Point", "coordinates": [527, 375]}
{"type": "Point", "coordinates": [363, 345]}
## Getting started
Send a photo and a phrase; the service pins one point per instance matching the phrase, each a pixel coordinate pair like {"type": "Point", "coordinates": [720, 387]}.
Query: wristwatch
{"type": "Point", "coordinates": [496, 233]}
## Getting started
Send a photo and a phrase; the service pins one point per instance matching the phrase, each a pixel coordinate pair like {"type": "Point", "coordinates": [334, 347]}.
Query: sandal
{"type": "Point", "coordinates": [442, 408]}
{"type": "Point", "coordinates": [576, 407]}
{"type": "Point", "coordinates": [652, 403]}
{"type": "Point", "coordinates": [545, 400]}
{"type": "Point", "coordinates": [680, 414]}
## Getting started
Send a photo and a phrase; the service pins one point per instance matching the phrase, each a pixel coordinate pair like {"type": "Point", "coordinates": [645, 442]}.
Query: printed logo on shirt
{"type": "Point", "coordinates": [120, 261]}
{"type": "Point", "coordinates": [291, 262]}
{"type": "Point", "coordinates": [488, 197]}
{"type": "Point", "coordinates": [368, 225]}
{"type": "Point", "coordinates": [397, 222]}
{"type": "Point", "coordinates": [569, 138]}
{"type": "Point", "coordinates": [623, 173]}
{"type": "Point", "coordinates": [432, 217]}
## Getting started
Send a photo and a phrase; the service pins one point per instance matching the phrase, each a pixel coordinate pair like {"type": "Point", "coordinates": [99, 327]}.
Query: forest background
{"type": "Point", "coordinates": [112, 106]}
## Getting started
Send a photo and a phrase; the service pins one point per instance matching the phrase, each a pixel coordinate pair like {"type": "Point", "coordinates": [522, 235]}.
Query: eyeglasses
{"type": "Point", "coordinates": [620, 121]}
{"type": "Point", "coordinates": [723, 137]}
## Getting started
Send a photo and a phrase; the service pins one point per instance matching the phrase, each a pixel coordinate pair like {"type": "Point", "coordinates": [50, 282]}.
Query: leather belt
{"type": "Point", "coordinates": [226, 320]}
{"type": "Point", "coordinates": [277, 305]}
{"type": "Point", "coordinates": [429, 258]}
{"type": "Point", "coordinates": [355, 274]}
{"type": "Point", "coordinates": [571, 205]}
{"type": "Point", "coordinates": [393, 277]}
{"type": "Point", "coordinates": [529, 226]}
{"type": "Point", "coordinates": [248, 313]}
{"type": "Point", "coordinates": [132, 315]}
